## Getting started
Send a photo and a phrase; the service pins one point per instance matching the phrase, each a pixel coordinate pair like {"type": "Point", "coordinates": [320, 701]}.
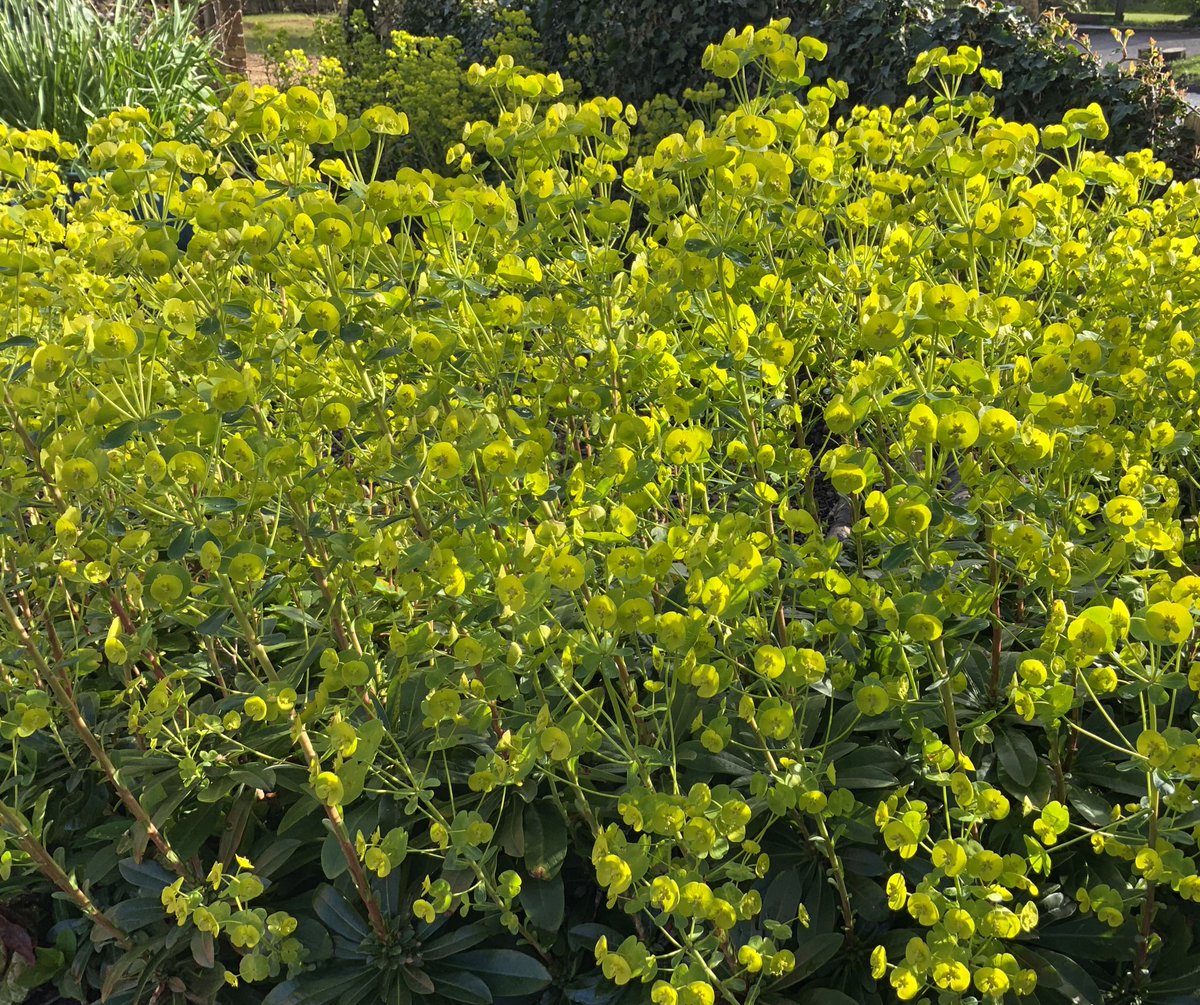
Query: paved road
{"type": "Point", "coordinates": [1108, 49]}
{"type": "Point", "coordinates": [1102, 43]}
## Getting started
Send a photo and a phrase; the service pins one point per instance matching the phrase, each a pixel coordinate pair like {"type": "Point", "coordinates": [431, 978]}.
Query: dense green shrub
{"type": "Point", "coordinates": [426, 75]}
{"type": "Point", "coordinates": [470, 21]}
{"type": "Point", "coordinates": [872, 44]}
{"type": "Point", "coordinates": [63, 63]}
{"type": "Point", "coordinates": [641, 49]}
{"type": "Point", "coordinates": [770, 581]}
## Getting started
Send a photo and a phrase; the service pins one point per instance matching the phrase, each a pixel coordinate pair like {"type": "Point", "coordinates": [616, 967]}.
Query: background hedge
{"type": "Point", "coordinates": [640, 49]}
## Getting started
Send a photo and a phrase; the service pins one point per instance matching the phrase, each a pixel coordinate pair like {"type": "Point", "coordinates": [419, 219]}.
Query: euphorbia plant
{"type": "Point", "coordinates": [761, 572]}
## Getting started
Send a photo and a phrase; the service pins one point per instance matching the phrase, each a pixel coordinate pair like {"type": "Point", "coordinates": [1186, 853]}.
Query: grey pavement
{"type": "Point", "coordinates": [1101, 42]}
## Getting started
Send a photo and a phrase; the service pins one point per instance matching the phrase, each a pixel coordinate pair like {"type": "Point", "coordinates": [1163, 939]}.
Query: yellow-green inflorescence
{"type": "Point", "coordinates": [812, 497]}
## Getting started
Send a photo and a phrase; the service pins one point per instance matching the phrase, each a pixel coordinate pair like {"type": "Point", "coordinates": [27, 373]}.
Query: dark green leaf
{"type": "Point", "coordinates": [118, 436]}
{"type": "Point", "coordinates": [213, 624]}
{"type": "Point", "coordinates": [544, 901]}
{"type": "Point", "coordinates": [545, 839]}
{"type": "Point", "coordinates": [460, 986]}
{"type": "Point", "coordinates": [824, 996]}
{"type": "Point", "coordinates": [417, 980]}
{"type": "Point", "coordinates": [1062, 975]}
{"type": "Point", "coordinates": [457, 940]}
{"type": "Point", "coordinates": [333, 862]}
{"type": "Point", "coordinates": [337, 915]}
{"type": "Point", "coordinates": [136, 913]}
{"type": "Point", "coordinates": [508, 973]}
{"type": "Point", "coordinates": [1016, 755]}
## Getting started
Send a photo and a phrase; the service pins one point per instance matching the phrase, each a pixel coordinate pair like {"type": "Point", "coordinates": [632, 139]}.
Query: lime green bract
{"type": "Point", "coordinates": [762, 569]}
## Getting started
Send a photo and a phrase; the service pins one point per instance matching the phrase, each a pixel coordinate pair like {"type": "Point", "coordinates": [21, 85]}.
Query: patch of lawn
{"type": "Point", "coordinates": [297, 31]}
{"type": "Point", "coordinates": [1187, 72]}
{"type": "Point", "coordinates": [1142, 7]}
{"type": "Point", "coordinates": [1135, 19]}
{"type": "Point", "coordinates": [1139, 13]}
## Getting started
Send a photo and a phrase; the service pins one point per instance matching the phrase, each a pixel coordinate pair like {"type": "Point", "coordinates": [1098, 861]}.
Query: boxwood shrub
{"type": "Point", "coordinates": [770, 581]}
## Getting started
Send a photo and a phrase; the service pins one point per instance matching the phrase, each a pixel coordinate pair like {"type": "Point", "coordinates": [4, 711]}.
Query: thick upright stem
{"type": "Point", "coordinates": [939, 653]}
{"type": "Point", "coordinates": [35, 456]}
{"type": "Point", "coordinates": [338, 825]}
{"type": "Point", "coordinates": [1145, 927]}
{"type": "Point", "coordinates": [49, 868]}
{"type": "Point", "coordinates": [839, 879]}
{"type": "Point", "coordinates": [61, 690]}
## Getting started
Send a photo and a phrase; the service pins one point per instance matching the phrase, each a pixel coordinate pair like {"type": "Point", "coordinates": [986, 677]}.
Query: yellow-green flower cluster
{"type": "Point", "coordinates": [791, 526]}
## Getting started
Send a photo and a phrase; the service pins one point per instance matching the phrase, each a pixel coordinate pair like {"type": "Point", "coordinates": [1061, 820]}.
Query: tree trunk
{"type": "Point", "coordinates": [224, 19]}
{"type": "Point", "coordinates": [1031, 8]}
{"type": "Point", "coordinates": [1119, 11]}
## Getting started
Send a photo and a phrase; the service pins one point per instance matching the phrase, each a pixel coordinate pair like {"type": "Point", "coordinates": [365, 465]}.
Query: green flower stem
{"type": "Point", "coordinates": [35, 455]}
{"type": "Point", "coordinates": [319, 577]}
{"type": "Point", "coordinates": [61, 689]}
{"type": "Point", "coordinates": [756, 442]}
{"type": "Point", "coordinates": [585, 808]}
{"type": "Point", "coordinates": [683, 942]}
{"type": "Point", "coordinates": [338, 826]}
{"type": "Point", "coordinates": [997, 623]}
{"type": "Point", "coordinates": [1145, 925]}
{"type": "Point", "coordinates": [839, 878]}
{"type": "Point", "coordinates": [1075, 727]}
{"type": "Point", "coordinates": [50, 868]}
{"type": "Point", "coordinates": [630, 702]}
{"type": "Point", "coordinates": [1082, 678]}
{"type": "Point", "coordinates": [939, 656]}
{"type": "Point", "coordinates": [419, 524]}
{"type": "Point", "coordinates": [835, 862]}
{"type": "Point", "coordinates": [435, 815]}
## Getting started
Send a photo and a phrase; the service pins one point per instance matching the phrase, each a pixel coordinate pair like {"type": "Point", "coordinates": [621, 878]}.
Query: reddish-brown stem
{"type": "Point", "coordinates": [127, 625]}
{"type": "Point", "coordinates": [61, 688]}
{"type": "Point", "coordinates": [332, 813]}
{"type": "Point", "coordinates": [338, 825]}
{"type": "Point", "coordinates": [49, 868]}
{"type": "Point", "coordinates": [35, 457]}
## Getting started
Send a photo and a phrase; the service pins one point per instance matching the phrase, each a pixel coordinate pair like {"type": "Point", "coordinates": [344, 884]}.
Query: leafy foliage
{"type": "Point", "coordinates": [470, 21]}
{"type": "Point", "coordinates": [643, 49]}
{"type": "Point", "coordinates": [768, 581]}
{"type": "Point", "coordinates": [63, 64]}
{"type": "Point", "coordinates": [423, 74]}
{"type": "Point", "coordinates": [872, 46]}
